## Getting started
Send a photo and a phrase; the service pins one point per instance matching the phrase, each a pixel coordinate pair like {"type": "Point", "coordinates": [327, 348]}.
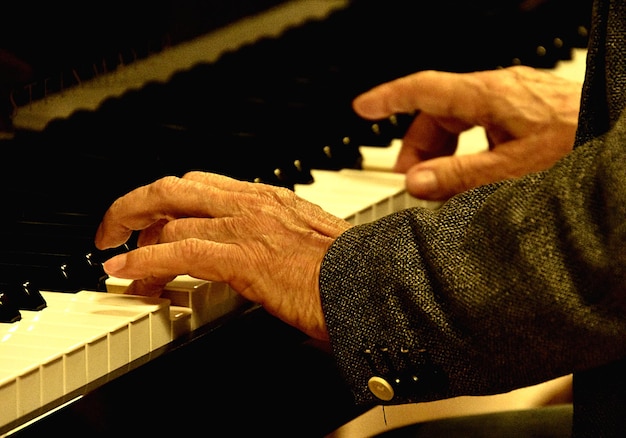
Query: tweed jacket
{"type": "Point", "coordinates": [507, 285]}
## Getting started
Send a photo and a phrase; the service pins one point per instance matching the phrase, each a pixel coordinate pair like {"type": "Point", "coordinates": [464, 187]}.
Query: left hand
{"type": "Point", "coordinates": [264, 241]}
{"type": "Point", "coordinates": [530, 117]}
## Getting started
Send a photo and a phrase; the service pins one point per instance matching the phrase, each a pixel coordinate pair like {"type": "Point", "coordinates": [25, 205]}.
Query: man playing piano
{"type": "Point", "coordinates": [517, 279]}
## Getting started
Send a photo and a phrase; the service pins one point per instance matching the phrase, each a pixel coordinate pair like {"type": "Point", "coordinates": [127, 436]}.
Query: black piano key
{"type": "Point", "coordinates": [25, 294]}
{"type": "Point", "coordinates": [47, 237]}
{"type": "Point", "coordinates": [56, 272]}
{"type": "Point", "coordinates": [9, 311]}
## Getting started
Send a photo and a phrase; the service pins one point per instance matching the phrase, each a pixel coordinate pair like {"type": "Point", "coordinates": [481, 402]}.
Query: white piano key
{"type": "Point", "coordinates": [77, 339]}
{"type": "Point", "coordinates": [147, 318]}
{"type": "Point", "coordinates": [379, 158]}
{"type": "Point", "coordinates": [180, 319]}
{"type": "Point", "coordinates": [138, 322]}
{"type": "Point", "coordinates": [106, 337]}
{"type": "Point", "coordinates": [52, 368]}
{"type": "Point", "coordinates": [92, 338]}
{"type": "Point", "coordinates": [359, 196]}
{"type": "Point", "coordinates": [72, 350]}
{"type": "Point", "coordinates": [157, 309]}
{"type": "Point", "coordinates": [337, 194]}
{"type": "Point", "coordinates": [27, 385]}
{"type": "Point", "coordinates": [207, 300]}
{"type": "Point", "coordinates": [8, 395]}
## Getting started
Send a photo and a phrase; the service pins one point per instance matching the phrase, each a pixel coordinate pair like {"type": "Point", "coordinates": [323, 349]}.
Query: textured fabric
{"type": "Point", "coordinates": [507, 285]}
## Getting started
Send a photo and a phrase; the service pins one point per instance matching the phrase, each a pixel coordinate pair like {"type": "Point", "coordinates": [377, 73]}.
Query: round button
{"type": "Point", "coordinates": [380, 388]}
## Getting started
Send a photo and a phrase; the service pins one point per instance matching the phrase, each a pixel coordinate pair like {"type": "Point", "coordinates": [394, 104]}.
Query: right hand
{"type": "Point", "coordinates": [265, 242]}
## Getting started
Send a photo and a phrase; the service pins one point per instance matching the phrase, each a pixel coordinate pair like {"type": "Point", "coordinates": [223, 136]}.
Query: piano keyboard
{"type": "Point", "coordinates": [85, 339]}
{"type": "Point", "coordinates": [76, 340]}
{"type": "Point", "coordinates": [81, 340]}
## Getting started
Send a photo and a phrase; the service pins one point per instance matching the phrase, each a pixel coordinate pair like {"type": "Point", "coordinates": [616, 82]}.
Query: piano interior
{"type": "Point", "coordinates": [271, 110]}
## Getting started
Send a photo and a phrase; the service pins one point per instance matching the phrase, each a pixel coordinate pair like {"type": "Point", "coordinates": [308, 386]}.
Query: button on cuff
{"type": "Point", "coordinates": [381, 388]}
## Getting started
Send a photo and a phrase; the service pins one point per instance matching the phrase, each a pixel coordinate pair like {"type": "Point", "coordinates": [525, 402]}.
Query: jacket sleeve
{"type": "Point", "coordinates": [504, 286]}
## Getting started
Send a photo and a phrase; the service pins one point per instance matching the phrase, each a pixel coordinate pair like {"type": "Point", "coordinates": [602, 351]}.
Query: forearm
{"type": "Point", "coordinates": [505, 286]}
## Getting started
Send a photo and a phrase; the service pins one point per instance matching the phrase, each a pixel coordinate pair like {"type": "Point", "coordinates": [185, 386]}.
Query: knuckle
{"type": "Point", "coordinates": [189, 248]}
{"type": "Point", "coordinates": [163, 185]}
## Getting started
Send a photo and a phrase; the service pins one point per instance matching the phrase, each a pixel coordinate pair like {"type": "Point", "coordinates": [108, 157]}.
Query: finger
{"type": "Point", "coordinates": [148, 287]}
{"type": "Point", "coordinates": [437, 93]}
{"type": "Point", "coordinates": [168, 260]}
{"type": "Point", "coordinates": [425, 139]}
{"type": "Point", "coordinates": [225, 230]}
{"type": "Point", "coordinates": [151, 234]}
{"type": "Point", "coordinates": [441, 178]}
{"type": "Point", "coordinates": [144, 207]}
{"type": "Point", "coordinates": [167, 199]}
{"type": "Point", "coordinates": [277, 199]}
{"type": "Point", "coordinates": [219, 181]}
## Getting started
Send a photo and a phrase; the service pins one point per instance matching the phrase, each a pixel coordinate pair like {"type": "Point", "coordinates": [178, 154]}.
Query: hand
{"type": "Point", "coordinates": [264, 241]}
{"type": "Point", "coordinates": [530, 119]}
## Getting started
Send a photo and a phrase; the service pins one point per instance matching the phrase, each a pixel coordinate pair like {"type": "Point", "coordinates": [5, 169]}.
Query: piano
{"type": "Point", "coordinates": [106, 97]}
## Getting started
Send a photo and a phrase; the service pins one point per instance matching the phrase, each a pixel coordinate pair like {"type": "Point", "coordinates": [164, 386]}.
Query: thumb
{"type": "Point", "coordinates": [441, 178]}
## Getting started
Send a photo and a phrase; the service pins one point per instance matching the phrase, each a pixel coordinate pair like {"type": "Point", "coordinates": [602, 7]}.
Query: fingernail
{"type": "Point", "coordinates": [114, 264]}
{"type": "Point", "coordinates": [422, 181]}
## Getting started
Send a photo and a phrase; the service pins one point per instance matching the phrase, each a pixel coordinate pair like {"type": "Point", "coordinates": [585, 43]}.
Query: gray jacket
{"type": "Point", "coordinates": [507, 285]}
